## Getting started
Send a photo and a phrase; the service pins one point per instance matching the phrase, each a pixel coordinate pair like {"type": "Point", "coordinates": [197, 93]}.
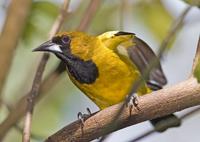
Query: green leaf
{"type": "Point", "coordinates": [154, 16]}
{"type": "Point", "coordinates": [197, 71]}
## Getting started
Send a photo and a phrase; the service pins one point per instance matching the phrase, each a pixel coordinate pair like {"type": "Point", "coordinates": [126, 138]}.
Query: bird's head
{"type": "Point", "coordinates": [66, 45]}
{"type": "Point", "coordinates": [75, 49]}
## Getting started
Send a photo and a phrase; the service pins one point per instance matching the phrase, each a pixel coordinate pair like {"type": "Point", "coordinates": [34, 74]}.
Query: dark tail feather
{"type": "Point", "coordinates": [153, 85]}
{"type": "Point", "coordinates": [163, 123]}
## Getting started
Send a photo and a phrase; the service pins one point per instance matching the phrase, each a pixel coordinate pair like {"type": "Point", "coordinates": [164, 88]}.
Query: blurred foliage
{"type": "Point", "coordinates": [74, 17]}
{"type": "Point", "coordinates": [52, 111]}
{"type": "Point", "coordinates": [43, 14]}
{"type": "Point", "coordinates": [197, 71]}
{"type": "Point", "coordinates": [110, 15]}
{"type": "Point", "coordinates": [193, 2]}
{"type": "Point", "coordinates": [40, 20]}
{"type": "Point", "coordinates": [48, 111]}
{"type": "Point", "coordinates": [154, 16]}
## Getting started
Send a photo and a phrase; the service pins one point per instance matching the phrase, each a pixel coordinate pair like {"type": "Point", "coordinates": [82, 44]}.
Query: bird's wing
{"type": "Point", "coordinates": [143, 56]}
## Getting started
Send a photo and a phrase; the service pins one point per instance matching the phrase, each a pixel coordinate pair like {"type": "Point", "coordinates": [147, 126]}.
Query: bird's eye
{"type": "Point", "coordinates": [65, 39]}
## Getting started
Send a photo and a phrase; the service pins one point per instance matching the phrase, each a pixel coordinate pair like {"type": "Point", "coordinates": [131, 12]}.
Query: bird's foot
{"type": "Point", "coordinates": [133, 101]}
{"type": "Point", "coordinates": [82, 117]}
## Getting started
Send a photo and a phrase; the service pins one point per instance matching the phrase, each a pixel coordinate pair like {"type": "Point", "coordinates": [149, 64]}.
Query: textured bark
{"type": "Point", "coordinates": [160, 103]}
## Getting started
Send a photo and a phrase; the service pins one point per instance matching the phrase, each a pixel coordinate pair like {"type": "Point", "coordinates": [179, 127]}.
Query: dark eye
{"type": "Point", "coordinates": [65, 39]}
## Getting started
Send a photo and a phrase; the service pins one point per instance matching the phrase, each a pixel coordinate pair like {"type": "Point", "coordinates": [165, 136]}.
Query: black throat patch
{"type": "Point", "coordinates": [83, 71]}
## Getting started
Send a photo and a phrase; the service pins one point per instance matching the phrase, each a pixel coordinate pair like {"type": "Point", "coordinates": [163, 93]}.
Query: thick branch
{"type": "Point", "coordinates": [175, 26]}
{"type": "Point", "coordinates": [16, 18]}
{"type": "Point", "coordinates": [160, 103]}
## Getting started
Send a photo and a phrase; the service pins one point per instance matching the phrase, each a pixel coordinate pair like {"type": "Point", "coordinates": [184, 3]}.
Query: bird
{"type": "Point", "coordinates": [105, 67]}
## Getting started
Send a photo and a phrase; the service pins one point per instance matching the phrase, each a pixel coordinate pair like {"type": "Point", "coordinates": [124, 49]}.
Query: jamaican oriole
{"type": "Point", "coordinates": [105, 67]}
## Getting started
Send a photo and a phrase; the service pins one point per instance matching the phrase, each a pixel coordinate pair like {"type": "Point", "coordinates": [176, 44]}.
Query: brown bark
{"type": "Point", "coordinates": [32, 96]}
{"type": "Point", "coordinates": [17, 13]}
{"type": "Point", "coordinates": [160, 103]}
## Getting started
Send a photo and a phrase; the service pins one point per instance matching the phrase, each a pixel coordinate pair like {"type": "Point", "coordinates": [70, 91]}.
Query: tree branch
{"type": "Point", "coordinates": [18, 127]}
{"type": "Point", "coordinates": [89, 13]}
{"type": "Point", "coordinates": [156, 104]}
{"type": "Point", "coordinates": [197, 56]}
{"type": "Point", "coordinates": [20, 106]}
{"type": "Point", "coordinates": [150, 132]}
{"type": "Point", "coordinates": [38, 77]}
{"type": "Point", "coordinates": [31, 98]}
{"type": "Point", "coordinates": [175, 26]}
{"type": "Point", "coordinates": [18, 11]}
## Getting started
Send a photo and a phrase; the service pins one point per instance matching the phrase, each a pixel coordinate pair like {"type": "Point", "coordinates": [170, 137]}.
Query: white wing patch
{"type": "Point", "coordinates": [122, 50]}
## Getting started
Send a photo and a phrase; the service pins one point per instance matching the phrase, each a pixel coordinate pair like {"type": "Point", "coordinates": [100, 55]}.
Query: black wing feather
{"type": "Point", "coordinates": [142, 55]}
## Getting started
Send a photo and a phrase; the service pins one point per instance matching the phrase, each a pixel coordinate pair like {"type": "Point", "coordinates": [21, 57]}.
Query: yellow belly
{"type": "Point", "coordinates": [114, 82]}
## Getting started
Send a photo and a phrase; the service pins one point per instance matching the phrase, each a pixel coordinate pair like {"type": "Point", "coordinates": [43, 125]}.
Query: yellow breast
{"type": "Point", "coordinates": [116, 77]}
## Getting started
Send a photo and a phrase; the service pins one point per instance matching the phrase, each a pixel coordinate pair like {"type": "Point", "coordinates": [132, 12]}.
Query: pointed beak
{"type": "Point", "coordinates": [49, 46]}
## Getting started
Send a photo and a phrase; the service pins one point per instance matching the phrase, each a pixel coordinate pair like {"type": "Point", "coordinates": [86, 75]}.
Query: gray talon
{"type": "Point", "coordinates": [82, 117]}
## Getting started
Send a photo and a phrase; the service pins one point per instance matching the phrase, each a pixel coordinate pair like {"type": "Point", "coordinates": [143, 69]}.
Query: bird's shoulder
{"type": "Point", "coordinates": [138, 52]}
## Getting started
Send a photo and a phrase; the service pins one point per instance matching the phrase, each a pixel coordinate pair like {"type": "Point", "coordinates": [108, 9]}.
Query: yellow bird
{"type": "Point", "coordinates": [105, 67]}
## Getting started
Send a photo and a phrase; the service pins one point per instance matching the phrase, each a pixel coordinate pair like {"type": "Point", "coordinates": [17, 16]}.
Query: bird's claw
{"type": "Point", "coordinates": [132, 102]}
{"type": "Point", "coordinates": [82, 117]}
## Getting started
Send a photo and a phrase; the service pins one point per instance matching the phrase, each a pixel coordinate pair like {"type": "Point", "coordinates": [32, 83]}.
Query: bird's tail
{"type": "Point", "coordinates": [163, 123]}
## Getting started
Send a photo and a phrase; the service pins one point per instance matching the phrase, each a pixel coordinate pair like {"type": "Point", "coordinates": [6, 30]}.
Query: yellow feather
{"type": "Point", "coordinates": [117, 73]}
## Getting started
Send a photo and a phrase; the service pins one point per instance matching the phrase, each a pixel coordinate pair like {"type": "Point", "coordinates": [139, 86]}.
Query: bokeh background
{"type": "Point", "coordinates": [149, 19]}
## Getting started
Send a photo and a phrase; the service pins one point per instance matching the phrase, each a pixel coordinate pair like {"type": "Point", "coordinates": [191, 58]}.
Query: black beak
{"type": "Point", "coordinates": [49, 46]}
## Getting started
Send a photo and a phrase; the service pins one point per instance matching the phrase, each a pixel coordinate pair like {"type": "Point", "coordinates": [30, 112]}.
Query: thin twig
{"type": "Point", "coordinates": [38, 77]}
{"type": "Point", "coordinates": [84, 24]}
{"type": "Point", "coordinates": [31, 98]}
{"type": "Point", "coordinates": [17, 127]}
{"type": "Point", "coordinates": [197, 56]}
{"type": "Point", "coordinates": [60, 19]}
{"type": "Point", "coordinates": [122, 14]}
{"type": "Point", "coordinates": [33, 136]}
{"type": "Point", "coordinates": [150, 132]}
{"type": "Point", "coordinates": [17, 14]}
{"type": "Point", "coordinates": [89, 13]}
{"type": "Point", "coordinates": [48, 82]}
{"type": "Point", "coordinates": [13, 117]}
{"type": "Point", "coordinates": [176, 25]}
